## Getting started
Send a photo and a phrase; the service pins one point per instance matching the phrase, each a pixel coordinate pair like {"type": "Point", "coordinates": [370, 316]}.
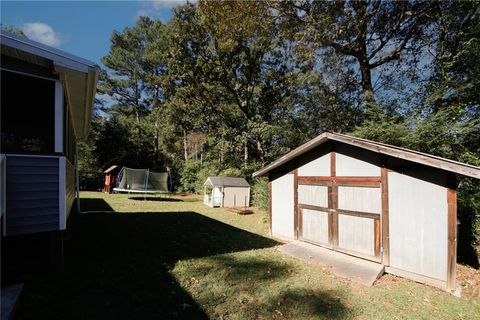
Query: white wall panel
{"type": "Point", "coordinates": [356, 234]}
{"type": "Point", "coordinates": [317, 167]}
{"type": "Point", "coordinates": [348, 166]}
{"type": "Point", "coordinates": [236, 197]}
{"type": "Point", "coordinates": [418, 213]}
{"type": "Point", "coordinates": [315, 226]}
{"type": "Point", "coordinates": [313, 195]}
{"type": "Point", "coordinates": [282, 206]}
{"type": "Point", "coordinates": [360, 199]}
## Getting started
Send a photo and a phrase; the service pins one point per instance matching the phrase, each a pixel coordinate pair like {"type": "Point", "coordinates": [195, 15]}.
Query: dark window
{"type": "Point", "coordinates": [27, 114]}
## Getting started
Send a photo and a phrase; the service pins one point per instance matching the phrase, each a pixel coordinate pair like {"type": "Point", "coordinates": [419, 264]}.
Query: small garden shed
{"type": "Point", "coordinates": [226, 192]}
{"type": "Point", "coordinates": [390, 205]}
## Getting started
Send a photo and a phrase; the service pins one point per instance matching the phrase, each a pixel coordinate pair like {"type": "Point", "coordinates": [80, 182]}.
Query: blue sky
{"type": "Point", "coordinates": [82, 28]}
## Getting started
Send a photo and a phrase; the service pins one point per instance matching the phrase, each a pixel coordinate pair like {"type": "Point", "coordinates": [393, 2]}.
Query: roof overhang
{"type": "Point", "coordinates": [389, 150]}
{"type": "Point", "coordinates": [208, 182]}
{"type": "Point", "coordinates": [79, 77]}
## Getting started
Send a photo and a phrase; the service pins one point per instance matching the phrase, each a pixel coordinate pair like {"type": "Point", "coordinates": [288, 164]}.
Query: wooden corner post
{"type": "Point", "coordinates": [333, 203]}
{"type": "Point", "coordinates": [295, 204]}
{"type": "Point", "coordinates": [385, 228]}
{"type": "Point", "coordinates": [452, 239]}
{"type": "Point", "coordinates": [270, 206]}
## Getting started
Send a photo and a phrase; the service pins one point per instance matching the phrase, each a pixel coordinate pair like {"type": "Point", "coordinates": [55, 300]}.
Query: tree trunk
{"type": "Point", "coordinates": [157, 143]}
{"type": "Point", "coordinates": [185, 147]}
{"type": "Point", "coordinates": [261, 151]}
{"type": "Point", "coordinates": [245, 155]}
{"type": "Point", "coordinates": [366, 72]}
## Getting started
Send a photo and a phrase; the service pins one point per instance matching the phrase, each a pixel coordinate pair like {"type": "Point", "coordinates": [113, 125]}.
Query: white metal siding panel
{"type": "Point", "coordinates": [317, 167]}
{"type": "Point", "coordinates": [313, 195]}
{"type": "Point", "coordinates": [69, 187]}
{"type": "Point", "coordinates": [352, 167]}
{"type": "Point", "coordinates": [418, 214]}
{"type": "Point", "coordinates": [32, 194]}
{"type": "Point", "coordinates": [356, 234]}
{"type": "Point", "coordinates": [360, 199]}
{"type": "Point", "coordinates": [282, 207]}
{"type": "Point", "coordinates": [217, 197]}
{"type": "Point", "coordinates": [315, 226]}
{"type": "Point", "coordinates": [236, 197]}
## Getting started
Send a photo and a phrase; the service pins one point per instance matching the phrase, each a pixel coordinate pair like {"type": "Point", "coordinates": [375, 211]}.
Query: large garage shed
{"type": "Point", "coordinates": [390, 205]}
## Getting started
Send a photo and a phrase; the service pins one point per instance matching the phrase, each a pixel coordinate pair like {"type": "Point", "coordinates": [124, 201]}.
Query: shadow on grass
{"type": "Point", "coordinates": [118, 266]}
{"type": "Point", "coordinates": [324, 305]}
{"type": "Point", "coordinates": [92, 204]}
{"type": "Point", "coordinates": [159, 199]}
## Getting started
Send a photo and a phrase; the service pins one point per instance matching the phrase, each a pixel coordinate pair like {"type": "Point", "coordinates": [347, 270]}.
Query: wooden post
{"type": "Point", "coordinates": [452, 239]}
{"type": "Point", "coordinates": [333, 203]}
{"type": "Point", "coordinates": [377, 237]}
{"type": "Point", "coordinates": [270, 206]}
{"type": "Point", "coordinates": [295, 203]}
{"type": "Point", "coordinates": [385, 229]}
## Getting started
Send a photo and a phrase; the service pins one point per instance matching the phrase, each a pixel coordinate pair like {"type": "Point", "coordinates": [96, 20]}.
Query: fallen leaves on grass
{"type": "Point", "coordinates": [468, 279]}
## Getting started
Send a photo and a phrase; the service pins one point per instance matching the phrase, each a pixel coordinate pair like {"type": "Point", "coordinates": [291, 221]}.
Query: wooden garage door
{"type": "Point", "coordinates": [342, 213]}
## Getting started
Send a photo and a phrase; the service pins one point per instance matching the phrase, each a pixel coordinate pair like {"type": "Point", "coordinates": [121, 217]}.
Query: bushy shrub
{"type": "Point", "coordinates": [205, 171]}
{"type": "Point", "coordinates": [260, 194]}
{"type": "Point", "coordinates": [188, 177]}
{"type": "Point", "coordinates": [231, 172]}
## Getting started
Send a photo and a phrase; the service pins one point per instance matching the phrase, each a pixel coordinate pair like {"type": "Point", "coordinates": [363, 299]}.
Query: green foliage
{"type": "Point", "coordinates": [260, 193]}
{"type": "Point", "coordinates": [188, 180]}
{"type": "Point", "coordinates": [225, 87]}
{"type": "Point", "coordinates": [382, 127]}
{"type": "Point", "coordinates": [231, 172]}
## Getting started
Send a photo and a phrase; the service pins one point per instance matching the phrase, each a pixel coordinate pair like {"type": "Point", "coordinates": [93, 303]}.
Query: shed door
{"type": "Point", "coordinates": [341, 215]}
{"type": "Point", "coordinates": [315, 220]}
{"type": "Point", "coordinates": [342, 209]}
{"type": "Point", "coordinates": [358, 215]}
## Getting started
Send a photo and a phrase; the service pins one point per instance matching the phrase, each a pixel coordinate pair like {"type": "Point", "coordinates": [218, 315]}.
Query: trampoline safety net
{"type": "Point", "coordinates": [142, 180]}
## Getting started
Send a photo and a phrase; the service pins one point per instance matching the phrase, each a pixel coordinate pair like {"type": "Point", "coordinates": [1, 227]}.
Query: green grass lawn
{"type": "Point", "coordinates": [178, 259]}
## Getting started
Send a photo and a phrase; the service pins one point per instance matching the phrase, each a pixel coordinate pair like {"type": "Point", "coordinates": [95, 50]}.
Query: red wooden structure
{"type": "Point", "coordinates": [110, 178]}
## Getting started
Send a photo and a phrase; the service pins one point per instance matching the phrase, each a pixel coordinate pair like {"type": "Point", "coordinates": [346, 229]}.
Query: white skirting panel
{"type": "Point", "coordinates": [360, 199]}
{"type": "Point", "coordinates": [282, 207]}
{"type": "Point", "coordinates": [313, 195]}
{"type": "Point", "coordinates": [317, 167]}
{"type": "Point", "coordinates": [418, 215]}
{"type": "Point", "coordinates": [356, 234]}
{"type": "Point", "coordinates": [348, 166]}
{"type": "Point", "coordinates": [315, 226]}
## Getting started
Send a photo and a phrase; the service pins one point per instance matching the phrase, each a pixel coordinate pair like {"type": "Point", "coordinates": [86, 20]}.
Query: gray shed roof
{"type": "Point", "coordinates": [393, 151]}
{"type": "Point", "coordinates": [226, 182]}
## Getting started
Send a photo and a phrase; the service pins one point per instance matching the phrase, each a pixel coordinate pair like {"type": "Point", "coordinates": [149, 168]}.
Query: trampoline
{"type": "Point", "coordinates": [142, 181]}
